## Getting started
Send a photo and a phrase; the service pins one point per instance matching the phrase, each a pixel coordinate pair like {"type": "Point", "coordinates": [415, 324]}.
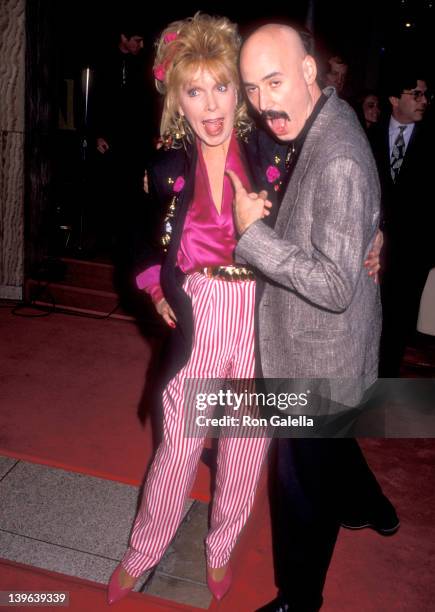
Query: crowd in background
{"type": "Point", "coordinates": [400, 133]}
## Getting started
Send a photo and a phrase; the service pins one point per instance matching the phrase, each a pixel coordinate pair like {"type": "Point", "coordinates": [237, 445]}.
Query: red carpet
{"type": "Point", "coordinates": [84, 596]}
{"type": "Point", "coordinates": [87, 421]}
{"type": "Point", "coordinates": [369, 573]}
{"type": "Point", "coordinates": [71, 388]}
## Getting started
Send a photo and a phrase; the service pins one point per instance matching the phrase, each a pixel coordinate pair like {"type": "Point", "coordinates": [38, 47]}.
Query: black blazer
{"type": "Point", "coordinates": [408, 212]}
{"type": "Point", "coordinates": [260, 153]}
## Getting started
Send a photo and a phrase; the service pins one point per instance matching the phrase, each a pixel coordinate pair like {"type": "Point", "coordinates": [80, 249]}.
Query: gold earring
{"type": "Point", "coordinates": [180, 126]}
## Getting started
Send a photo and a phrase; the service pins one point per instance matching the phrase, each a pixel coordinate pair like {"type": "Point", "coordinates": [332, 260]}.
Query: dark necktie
{"type": "Point", "coordinates": [397, 154]}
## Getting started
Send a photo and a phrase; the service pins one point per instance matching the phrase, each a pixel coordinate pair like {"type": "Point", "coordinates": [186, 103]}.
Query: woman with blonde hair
{"type": "Point", "coordinates": [199, 292]}
{"type": "Point", "coordinates": [205, 298]}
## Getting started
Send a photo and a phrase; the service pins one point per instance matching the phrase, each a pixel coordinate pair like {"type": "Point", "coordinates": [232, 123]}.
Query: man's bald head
{"type": "Point", "coordinates": [279, 78]}
{"type": "Point", "coordinates": [276, 34]}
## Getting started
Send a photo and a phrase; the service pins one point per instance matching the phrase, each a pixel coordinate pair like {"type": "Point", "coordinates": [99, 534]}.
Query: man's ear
{"type": "Point", "coordinates": [394, 101]}
{"type": "Point", "coordinates": [309, 68]}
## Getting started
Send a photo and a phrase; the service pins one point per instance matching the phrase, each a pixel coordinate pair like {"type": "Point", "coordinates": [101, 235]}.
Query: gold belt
{"type": "Point", "coordinates": [228, 273]}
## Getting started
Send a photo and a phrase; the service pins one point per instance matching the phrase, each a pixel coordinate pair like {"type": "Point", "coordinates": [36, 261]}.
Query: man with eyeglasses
{"type": "Point", "coordinates": [404, 151]}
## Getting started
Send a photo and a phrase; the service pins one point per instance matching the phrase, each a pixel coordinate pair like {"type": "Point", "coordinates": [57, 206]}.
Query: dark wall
{"type": "Point", "coordinates": [66, 36]}
{"type": "Point", "coordinates": [371, 34]}
{"type": "Point", "coordinates": [41, 126]}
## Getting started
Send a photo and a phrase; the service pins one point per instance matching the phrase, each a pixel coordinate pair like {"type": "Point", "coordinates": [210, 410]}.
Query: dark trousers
{"type": "Point", "coordinates": [401, 291]}
{"type": "Point", "coordinates": [315, 485]}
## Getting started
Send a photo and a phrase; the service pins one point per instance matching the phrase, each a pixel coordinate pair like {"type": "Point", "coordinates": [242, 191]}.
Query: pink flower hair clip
{"type": "Point", "coordinates": [169, 37]}
{"type": "Point", "coordinates": [159, 71]}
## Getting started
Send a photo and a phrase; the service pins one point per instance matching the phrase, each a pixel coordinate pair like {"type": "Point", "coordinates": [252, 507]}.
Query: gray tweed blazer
{"type": "Point", "coordinates": [319, 313]}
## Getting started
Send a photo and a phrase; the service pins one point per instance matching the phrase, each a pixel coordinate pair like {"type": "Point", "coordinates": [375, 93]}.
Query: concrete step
{"type": "Point", "coordinates": [88, 274]}
{"type": "Point", "coordinates": [87, 287]}
{"type": "Point", "coordinates": [81, 299]}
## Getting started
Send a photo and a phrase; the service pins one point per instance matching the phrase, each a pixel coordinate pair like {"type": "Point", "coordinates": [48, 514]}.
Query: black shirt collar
{"type": "Point", "coordinates": [298, 142]}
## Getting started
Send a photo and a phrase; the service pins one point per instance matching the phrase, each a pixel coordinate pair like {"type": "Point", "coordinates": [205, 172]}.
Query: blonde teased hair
{"type": "Point", "coordinates": [183, 47]}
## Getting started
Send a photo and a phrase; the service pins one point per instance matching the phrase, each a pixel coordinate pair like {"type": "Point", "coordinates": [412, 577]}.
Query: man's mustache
{"type": "Point", "coordinates": [271, 114]}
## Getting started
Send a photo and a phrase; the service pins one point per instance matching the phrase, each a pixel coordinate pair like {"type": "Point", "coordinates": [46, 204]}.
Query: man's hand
{"type": "Point", "coordinates": [166, 312]}
{"type": "Point", "coordinates": [102, 145]}
{"type": "Point", "coordinates": [248, 207]}
{"type": "Point", "coordinates": [145, 182]}
{"type": "Point", "coordinates": [372, 262]}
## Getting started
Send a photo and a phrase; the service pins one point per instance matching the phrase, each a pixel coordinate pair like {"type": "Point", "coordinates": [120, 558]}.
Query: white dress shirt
{"type": "Point", "coordinates": [394, 132]}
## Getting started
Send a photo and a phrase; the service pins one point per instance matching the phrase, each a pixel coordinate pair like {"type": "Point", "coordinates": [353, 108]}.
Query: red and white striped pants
{"type": "Point", "coordinates": [223, 346]}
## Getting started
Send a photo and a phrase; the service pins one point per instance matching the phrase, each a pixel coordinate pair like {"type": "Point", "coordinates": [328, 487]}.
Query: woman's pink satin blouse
{"type": "Point", "coordinates": [208, 238]}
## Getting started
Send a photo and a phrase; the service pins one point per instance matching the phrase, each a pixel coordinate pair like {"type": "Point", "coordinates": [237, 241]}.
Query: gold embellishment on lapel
{"type": "Point", "coordinates": [277, 159]}
{"type": "Point", "coordinates": [170, 181]}
{"type": "Point", "coordinates": [165, 239]}
{"type": "Point", "coordinates": [289, 155]}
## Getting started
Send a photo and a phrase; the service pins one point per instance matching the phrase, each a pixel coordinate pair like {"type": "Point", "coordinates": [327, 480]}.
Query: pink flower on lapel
{"type": "Point", "coordinates": [169, 37]}
{"type": "Point", "coordinates": [179, 184]}
{"type": "Point", "coordinates": [272, 174]}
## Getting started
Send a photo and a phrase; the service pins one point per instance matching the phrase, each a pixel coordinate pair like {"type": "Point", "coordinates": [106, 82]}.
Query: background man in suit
{"type": "Point", "coordinates": [122, 112]}
{"type": "Point", "coordinates": [403, 148]}
{"type": "Point", "coordinates": [318, 314]}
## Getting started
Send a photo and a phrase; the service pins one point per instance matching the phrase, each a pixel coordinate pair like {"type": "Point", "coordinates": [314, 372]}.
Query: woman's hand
{"type": "Point", "coordinates": [166, 312]}
{"type": "Point", "coordinates": [372, 262]}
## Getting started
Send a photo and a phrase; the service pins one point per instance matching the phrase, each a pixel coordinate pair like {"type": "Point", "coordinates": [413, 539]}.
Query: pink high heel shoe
{"type": "Point", "coordinates": [220, 588]}
{"type": "Point", "coordinates": [115, 591]}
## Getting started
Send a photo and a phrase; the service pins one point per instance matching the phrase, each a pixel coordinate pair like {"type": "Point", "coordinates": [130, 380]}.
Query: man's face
{"type": "Point", "coordinates": [337, 74]}
{"type": "Point", "coordinates": [411, 105]}
{"type": "Point", "coordinates": [133, 45]}
{"type": "Point", "coordinates": [276, 82]}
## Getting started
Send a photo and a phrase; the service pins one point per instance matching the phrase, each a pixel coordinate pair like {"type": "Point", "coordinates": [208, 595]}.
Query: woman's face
{"type": "Point", "coordinates": [371, 109]}
{"type": "Point", "coordinates": [209, 107]}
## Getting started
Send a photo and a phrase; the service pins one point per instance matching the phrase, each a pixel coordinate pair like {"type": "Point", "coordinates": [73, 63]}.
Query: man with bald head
{"type": "Point", "coordinates": [318, 314]}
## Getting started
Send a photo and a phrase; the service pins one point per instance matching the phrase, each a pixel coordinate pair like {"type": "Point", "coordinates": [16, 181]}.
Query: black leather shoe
{"type": "Point", "coordinates": [277, 605]}
{"type": "Point", "coordinates": [280, 604]}
{"type": "Point", "coordinates": [382, 518]}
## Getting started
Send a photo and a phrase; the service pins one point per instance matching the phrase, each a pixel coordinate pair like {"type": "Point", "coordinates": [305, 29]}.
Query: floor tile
{"type": "Point", "coordinates": [182, 591]}
{"type": "Point", "coordinates": [6, 463]}
{"type": "Point", "coordinates": [55, 558]}
{"type": "Point", "coordinates": [185, 556]}
{"type": "Point", "coordinates": [82, 512]}
{"type": "Point", "coordinates": [79, 525]}
{"type": "Point", "coordinates": [66, 522]}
